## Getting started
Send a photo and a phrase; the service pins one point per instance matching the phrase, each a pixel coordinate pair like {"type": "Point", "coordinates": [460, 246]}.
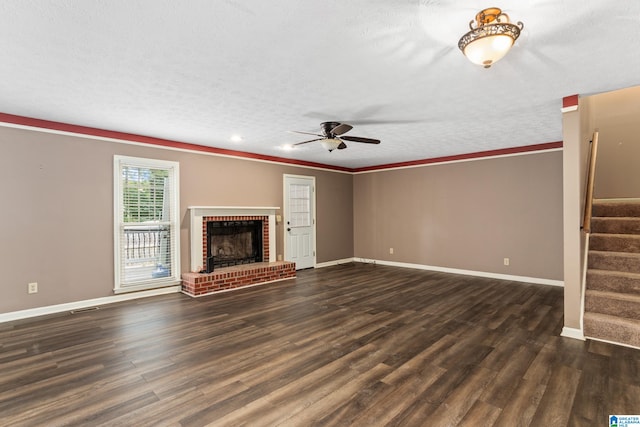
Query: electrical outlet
{"type": "Point", "coordinates": [32, 288]}
{"type": "Point", "coordinates": [506, 261]}
{"type": "Point", "coordinates": [391, 250]}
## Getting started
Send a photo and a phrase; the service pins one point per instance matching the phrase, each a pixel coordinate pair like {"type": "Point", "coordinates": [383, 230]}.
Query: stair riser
{"type": "Point", "coordinates": [615, 225]}
{"type": "Point", "coordinates": [612, 332]}
{"type": "Point", "coordinates": [630, 243]}
{"type": "Point", "coordinates": [600, 261]}
{"type": "Point", "coordinates": [613, 307]}
{"type": "Point", "coordinates": [600, 281]}
{"type": "Point", "coordinates": [616, 209]}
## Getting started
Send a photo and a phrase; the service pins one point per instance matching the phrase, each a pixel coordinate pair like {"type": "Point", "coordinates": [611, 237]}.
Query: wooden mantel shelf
{"type": "Point", "coordinates": [235, 210]}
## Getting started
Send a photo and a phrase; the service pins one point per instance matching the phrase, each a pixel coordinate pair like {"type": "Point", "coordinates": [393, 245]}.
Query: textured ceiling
{"type": "Point", "coordinates": [200, 71]}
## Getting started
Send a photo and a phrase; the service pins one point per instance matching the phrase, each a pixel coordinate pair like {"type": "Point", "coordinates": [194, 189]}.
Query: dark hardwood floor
{"type": "Point", "coordinates": [356, 344]}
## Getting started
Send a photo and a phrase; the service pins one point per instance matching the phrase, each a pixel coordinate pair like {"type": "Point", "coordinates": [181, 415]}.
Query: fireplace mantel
{"type": "Point", "coordinates": [232, 210]}
{"type": "Point", "coordinates": [197, 213]}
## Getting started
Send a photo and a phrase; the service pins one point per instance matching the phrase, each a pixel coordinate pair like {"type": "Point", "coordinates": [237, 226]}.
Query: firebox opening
{"type": "Point", "coordinates": [233, 243]}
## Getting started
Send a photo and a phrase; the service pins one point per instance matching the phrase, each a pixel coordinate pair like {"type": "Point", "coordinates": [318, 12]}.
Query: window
{"type": "Point", "coordinates": [299, 205]}
{"type": "Point", "coordinates": [146, 227]}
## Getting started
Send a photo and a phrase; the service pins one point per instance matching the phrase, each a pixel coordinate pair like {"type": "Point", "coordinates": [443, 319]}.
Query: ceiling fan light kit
{"type": "Point", "coordinates": [491, 36]}
{"type": "Point", "coordinates": [330, 143]}
{"type": "Point", "coordinates": [331, 136]}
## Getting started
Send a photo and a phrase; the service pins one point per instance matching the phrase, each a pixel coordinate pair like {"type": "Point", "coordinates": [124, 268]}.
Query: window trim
{"type": "Point", "coordinates": [174, 175]}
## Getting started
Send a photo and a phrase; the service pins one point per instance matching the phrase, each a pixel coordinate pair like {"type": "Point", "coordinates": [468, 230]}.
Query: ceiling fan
{"type": "Point", "coordinates": [331, 136]}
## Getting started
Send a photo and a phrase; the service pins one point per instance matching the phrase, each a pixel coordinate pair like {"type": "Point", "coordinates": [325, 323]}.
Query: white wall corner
{"type": "Point", "coordinates": [572, 333]}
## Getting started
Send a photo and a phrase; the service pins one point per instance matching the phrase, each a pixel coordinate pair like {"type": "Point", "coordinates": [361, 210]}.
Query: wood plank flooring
{"type": "Point", "coordinates": [355, 344]}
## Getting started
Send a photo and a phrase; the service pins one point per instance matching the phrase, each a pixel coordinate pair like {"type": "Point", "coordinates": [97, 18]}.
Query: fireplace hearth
{"type": "Point", "coordinates": [198, 282]}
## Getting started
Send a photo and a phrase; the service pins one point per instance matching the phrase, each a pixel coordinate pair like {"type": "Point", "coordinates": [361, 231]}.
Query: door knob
{"type": "Point", "coordinates": [288, 229]}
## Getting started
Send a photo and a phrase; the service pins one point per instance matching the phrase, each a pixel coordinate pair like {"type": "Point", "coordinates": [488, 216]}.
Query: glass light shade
{"type": "Point", "coordinates": [330, 143]}
{"type": "Point", "coordinates": [488, 50]}
{"type": "Point", "coordinates": [491, 36]}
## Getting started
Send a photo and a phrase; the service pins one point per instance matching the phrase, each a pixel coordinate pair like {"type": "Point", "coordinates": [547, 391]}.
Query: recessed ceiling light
{"type": "Point", "coordinates": [236, 138]}
{"type": "Point", "coordinates": [287, 147]}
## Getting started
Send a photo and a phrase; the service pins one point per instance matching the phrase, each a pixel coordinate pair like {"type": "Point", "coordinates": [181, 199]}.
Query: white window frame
{"type": "Point", "coordinates": [174, 176]}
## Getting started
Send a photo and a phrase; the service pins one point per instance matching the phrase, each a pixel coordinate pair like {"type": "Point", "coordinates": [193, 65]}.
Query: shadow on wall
{"type": "Point", "coordinates": [615, 116]}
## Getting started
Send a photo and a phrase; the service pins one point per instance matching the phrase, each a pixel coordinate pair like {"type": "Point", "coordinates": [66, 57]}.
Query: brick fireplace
{"type": "Point", "coordinates": [207, 276]}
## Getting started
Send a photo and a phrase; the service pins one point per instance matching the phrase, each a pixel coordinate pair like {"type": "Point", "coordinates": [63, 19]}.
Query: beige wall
{"type": "Point", "coordinates": [616, 115]}
{"type": "Point", "coordinates": [56, 223]}
{"type": "Point", "coordinates": [57, 215]}
{"type": "Point", "coordinates": [466, 215]}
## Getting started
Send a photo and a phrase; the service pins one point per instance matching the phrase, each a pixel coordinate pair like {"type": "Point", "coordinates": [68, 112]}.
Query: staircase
{"type": "Point", "coordinates": [612, 297]}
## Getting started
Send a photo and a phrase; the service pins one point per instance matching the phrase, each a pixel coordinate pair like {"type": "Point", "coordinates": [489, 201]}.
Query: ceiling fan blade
{"type": "Point", "coordinates": [341, 128]}
{"type": "Point", "coordinates": [364, 116]}
{"type": "Point", "coordinates": [305, 133]}
{"type": "Point", "coordinates": [384, 121]}
{"type": "Point", "coordinates": [361, 139]}
{"type": "Point", "coordinates": [306, 142]}
{"type": "Point", "coordinates": [342, 146]}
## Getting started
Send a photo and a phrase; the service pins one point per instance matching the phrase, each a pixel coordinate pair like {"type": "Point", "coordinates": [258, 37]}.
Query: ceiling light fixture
{"type": "Point", "coordinates": [330, 143]}
{"type": "Point", "coordinates": [491, 38]}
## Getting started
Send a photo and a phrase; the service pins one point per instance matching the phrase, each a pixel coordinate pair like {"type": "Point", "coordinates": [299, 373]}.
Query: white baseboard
{"type": "Point", "coordinates": [76, 305]}
{"type": "Point", "coordinates": [524, 279]}
{"type": "Point", "coordinates": [335, 262]}
{"type": "Point", "coordinates": [614, 343]}
{"type": "Point", "coordinates": [41, 311]}
{"type": "Point", "coordinates": [572, 333]}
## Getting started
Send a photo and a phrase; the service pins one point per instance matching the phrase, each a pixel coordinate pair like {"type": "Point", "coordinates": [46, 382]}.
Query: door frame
{"type": "Point", "coordinates": [285, 210]}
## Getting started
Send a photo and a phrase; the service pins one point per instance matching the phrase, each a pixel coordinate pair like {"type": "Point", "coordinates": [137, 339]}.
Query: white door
{"type": "Point", "coordinates": [299, 221]}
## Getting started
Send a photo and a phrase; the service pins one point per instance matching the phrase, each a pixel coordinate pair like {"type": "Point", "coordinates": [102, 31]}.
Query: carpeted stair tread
{"type": "Point", "coordinates": [612, 328]}
{"type": "Point", "coordinates": [613, 303]}
{"type": "Point", "coordinates": [612, 297]}
{"type": "Point", "coordinates": [613, 281]}
{"type": "Point", "coordinates": [617, 208]}
{"type": "Point", "coordinates": [615, 225]}
{"type": "Point", "coordinates": [618, 261]}
{"type": "Point", "coordinates": [614, 242]}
